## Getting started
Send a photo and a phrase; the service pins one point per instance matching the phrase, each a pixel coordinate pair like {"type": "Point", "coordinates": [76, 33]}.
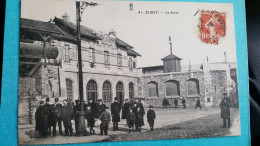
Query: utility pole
{"type": "Point", "coordinates": [81, 129]}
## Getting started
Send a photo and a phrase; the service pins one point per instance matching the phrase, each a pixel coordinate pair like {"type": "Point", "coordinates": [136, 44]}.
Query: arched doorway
{"type": "Point", "coordinates": [92, 90]}
{"type": "Point", "coordinates": [120, 92]}
{"type": "Point", "coordinates": [107, 93]}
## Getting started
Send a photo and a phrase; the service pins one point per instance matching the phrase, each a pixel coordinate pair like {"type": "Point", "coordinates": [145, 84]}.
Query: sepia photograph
{"type": "Point", "coordinates": [104, 71]}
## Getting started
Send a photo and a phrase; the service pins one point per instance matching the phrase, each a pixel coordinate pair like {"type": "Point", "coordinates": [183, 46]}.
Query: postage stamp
{"type": "Point", "coordinates": [212, 26]}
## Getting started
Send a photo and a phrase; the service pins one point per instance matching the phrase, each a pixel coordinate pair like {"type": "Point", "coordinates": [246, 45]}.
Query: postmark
{"type": "Point", "coordinates": [212, 26]}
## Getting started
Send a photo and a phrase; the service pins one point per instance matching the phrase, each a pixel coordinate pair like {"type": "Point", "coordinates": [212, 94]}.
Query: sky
{"type": "Point", "coordinates": [147, 33]}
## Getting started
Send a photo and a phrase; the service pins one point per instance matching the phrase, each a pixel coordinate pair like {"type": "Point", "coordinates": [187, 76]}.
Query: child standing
{"type": "Point", "coordinates": [130, 120]}
{"type": "Point", "coordinates": [91, 121]}
{"type": "Point", "coordinates": [151, 117]}
{"type": "Point", "coordinates": [105, 120]}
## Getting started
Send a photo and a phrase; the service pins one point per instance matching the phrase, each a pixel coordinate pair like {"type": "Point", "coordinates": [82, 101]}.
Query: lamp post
{"type": "Point", "coordinates": [80, 7]}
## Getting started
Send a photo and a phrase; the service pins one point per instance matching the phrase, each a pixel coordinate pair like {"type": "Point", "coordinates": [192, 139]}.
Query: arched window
{"type": "Point", "coordinates": [69, 89]}
{"type": "Point", "coordinates": [107, 92]}
{"type": "Point", "coordinates": [131, 91]}
{"type": "Point", "coordinates": [193, 87]}
{"type": "Point", "coordinates": [92, 90]}
{"type": "Point", "coordinates": [172, 88]}
{"type": "Point", "coordinates": [153, 89]}
{"type": "Point", "coordinates": [120, 92]}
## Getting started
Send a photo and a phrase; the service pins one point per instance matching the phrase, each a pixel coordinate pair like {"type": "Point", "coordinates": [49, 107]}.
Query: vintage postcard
{"type": "Point", "coordinates": [101, 71]}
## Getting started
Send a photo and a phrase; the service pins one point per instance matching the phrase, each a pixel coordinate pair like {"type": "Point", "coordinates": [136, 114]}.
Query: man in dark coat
{"type": "Point", "coordinates": [57, 116]}
{"type": "Point", "coordinates": [126, 109]}
{"type": "Point", "coordinates": [176, 102]}
{"type": "Point", "coordinates": [151, 117]}
{"type": "Point", "coordinates": [115, 111]}
{"type": "Point", "coordinates": [76, 110]}
{"type": "Point", "coordinates": [51, 121]}
{"type": "Point", "coordinates": [94, 107]}
{"type": "Point", "coordinates": [67, 115]}
{"type": "Point", "coordinates": [139, 119]}
{"type": "Point", "coordinates": [225, 109]}
{"type": "Point", "coordinates": [183, 102]}
{"type": "Point", "coordinates": [139, 104]}
{"type": "Point", "coordinates": [41, 118]}
{"type": "Point", "coordinates": [165, 103]}
{"type": "Point", "coordinates": [198, 105]}
{"type": "Point", "coordinates": [91, 120]}
{"type": "Point", "coordinates": [101, 107]}
{"type": "Point", "coordinates": [105, 120]}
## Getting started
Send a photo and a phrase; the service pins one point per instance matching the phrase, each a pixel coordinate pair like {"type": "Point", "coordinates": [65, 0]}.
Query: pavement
{"type": "Point", "coordinates": [164, 117]}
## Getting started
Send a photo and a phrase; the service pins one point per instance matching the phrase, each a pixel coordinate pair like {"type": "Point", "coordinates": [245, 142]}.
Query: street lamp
{"type": "Point", "coordinates": [80, 7]}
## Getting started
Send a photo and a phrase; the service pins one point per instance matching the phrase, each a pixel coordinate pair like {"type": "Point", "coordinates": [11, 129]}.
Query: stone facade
{"type": "Point", "coordinates": [213, 80]}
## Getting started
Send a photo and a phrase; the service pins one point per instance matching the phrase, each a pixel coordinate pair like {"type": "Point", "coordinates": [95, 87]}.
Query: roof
{"type": "Point", "coordinates": [85, 31]}
{"type": "Point", "coordinates": [122, 43]}
{"type": "Point", "coordinates": [171, 56]}
{"type": "Point", "coordinates": [149, 68]}
{"type": "Point", "coordinates": [132, 52]}
{"type": "Point", "coordinates": [35, 25]}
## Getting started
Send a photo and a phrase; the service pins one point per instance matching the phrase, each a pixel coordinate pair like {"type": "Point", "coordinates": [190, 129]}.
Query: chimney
{"type": "Point", "coordinates": [66, 17]}
{"type": "Point", "coordinates": [112, 32]}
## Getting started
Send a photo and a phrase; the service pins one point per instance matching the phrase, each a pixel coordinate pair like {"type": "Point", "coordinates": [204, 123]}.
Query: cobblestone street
{"type": "Point", "coordinates": [169, 124]}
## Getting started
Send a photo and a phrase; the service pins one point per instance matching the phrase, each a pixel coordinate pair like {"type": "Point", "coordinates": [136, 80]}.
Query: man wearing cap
{"type": "Point", "coordinates": [225, 109]}
{"type": "Point", "coordinates": [101, 107]}
{"type": "Point", "coordinates": [67, 115]}
{"type": "Point", "coordinates": [76, 110]}
{"type": "Point", "coordinates": [41, 118]}
{"type": "Point", "coordinates": [115, 111]}
{"type": "Point", "coordinates": [57, 116]}
{"type": "Point", "coordinates": [142, 112]}
{"type": "Point", "coordinates": [50, 109]}
{"type": "Point", "coordinates": [126, 109]}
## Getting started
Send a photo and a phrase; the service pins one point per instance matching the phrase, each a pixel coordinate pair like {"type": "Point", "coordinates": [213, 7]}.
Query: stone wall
{"type": "Point", "coordinates": [181, 77]}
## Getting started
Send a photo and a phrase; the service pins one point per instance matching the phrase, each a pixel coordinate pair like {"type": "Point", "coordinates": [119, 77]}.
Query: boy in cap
{"type": "Point", "coordinates": [130, 120]}
{"type": "Point", "coordinates": [151, 117]}
{"type": "Point", "coordinates": [105, 120]}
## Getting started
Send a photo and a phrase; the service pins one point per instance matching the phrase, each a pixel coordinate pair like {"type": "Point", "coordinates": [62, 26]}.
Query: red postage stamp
{"type": "Point", "coordinates": [212, 26]}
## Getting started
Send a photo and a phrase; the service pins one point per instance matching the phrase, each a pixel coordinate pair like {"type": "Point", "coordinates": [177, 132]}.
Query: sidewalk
{"type": "Point", "coordinates": [164, 118]}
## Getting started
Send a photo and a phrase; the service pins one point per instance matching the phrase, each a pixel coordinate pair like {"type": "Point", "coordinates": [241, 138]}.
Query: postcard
{"type": "Point", "coordinates": [101, 71]}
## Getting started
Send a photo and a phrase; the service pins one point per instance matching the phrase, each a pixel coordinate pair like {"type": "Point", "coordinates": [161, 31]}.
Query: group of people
{"type": "Point", "coordinates": [48, 115]}
{"type": "Point", "coordinates": [166, 103]}
{"type": "Point", "coordinates": [133, 113]}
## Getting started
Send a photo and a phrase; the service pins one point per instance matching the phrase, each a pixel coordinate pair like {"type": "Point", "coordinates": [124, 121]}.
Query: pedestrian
{"type": "Point", "coordinates": [176, 102]}
{"type": "Point", "coordinates": [67, 115]}
{"type": "Point", "coordinates": [41, 118]}
{"type": "Point", "coordinates": [139, 119]}
{"type": "Point", "coordinates": [198, 105]}
{"type": "Point", "coordinates": [76, 110]}
{"type": "Point", "coordinates": [57, 116]}
{"type": "Point", "coordinates": [101, 107]}
{"type": "Point", "coordinates": [105, 120]}
{"type": "Point", "coordinates": [165, 103]}
{"type": "Point", "coordinates": [94, 107]}
{"type": "Point", "coordinates": [134, 108]}
{"type": "Point", "coordinates": [130, 120]}
{"type": "Point", "coordinates": [183, 103]}
{"type": "Point", "coordinates": [115, 111]}
{"type": "Point", "coordinates": [225, 109]}
{"type": "Point", "coordinates": [51, 121]}
{"type": "Point", "coordinates": [126, 110]}
{"type": "Point", "coordinates": [91, 119]}
{"type": "Point", "coordinates": [151, 117]}
{"type": "Point", "coordinates": [142, 111]}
